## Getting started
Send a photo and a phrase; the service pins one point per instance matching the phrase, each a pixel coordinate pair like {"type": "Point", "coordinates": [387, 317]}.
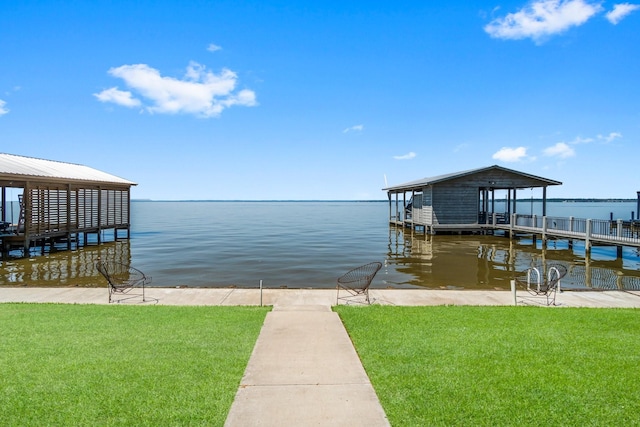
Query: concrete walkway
{"type": "Point", "coordinates": [304, 371]}
{"type": "Point", "coordinates": [325, 297]}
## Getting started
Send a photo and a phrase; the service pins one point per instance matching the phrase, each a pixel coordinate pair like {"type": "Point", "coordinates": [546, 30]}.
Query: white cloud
{"type": "Point", "coordinates": [543, 18]}
{"type": "Point", "coordinates": [200, 92]}
{"type": "Point", "coordinates": [609, 138]}
{"type": "Point", "coordinates": [3, 109]}
{"type": "Point", "coordinates": [356, 128]}
{"type": "Point", "coordinates": [408, 156]}
{"type": "Point", "coordinates": [561, 149]}
{"type": "Point", "coordinates": [460, 147]}
{"type": "Point", "coordinates": [581, 140]}
{"type": "Point", "coordinates": [120, 97]}
{"type": "Point", "coordinates": [620, 11]}
{"type": "Point", "coordinates": [213, 47]}
{"type": "Point", "coordinates": [508, 154]}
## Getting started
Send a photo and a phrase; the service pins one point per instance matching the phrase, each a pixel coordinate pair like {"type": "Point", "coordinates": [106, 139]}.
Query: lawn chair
{"type": "Point", "coordinates": [123, 280]}
{"type": "Point", "coordinates": [536, 284]}
{"type": "Point", "coordinates": [356, 283]}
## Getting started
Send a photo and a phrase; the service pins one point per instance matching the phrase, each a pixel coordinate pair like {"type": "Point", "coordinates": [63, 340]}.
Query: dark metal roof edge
{"type": "Point", "coordinates": [446, 177]}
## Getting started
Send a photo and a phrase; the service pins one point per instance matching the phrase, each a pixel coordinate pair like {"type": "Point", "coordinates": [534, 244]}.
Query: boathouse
{"type": "Point", "coordinates": [462, 201]}
{"type": "Point", "coordinates": [59, 202]}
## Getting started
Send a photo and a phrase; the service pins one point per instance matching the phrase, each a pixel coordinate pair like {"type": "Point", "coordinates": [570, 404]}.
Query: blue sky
{"type": "Point", "coordinates": [324, 100]}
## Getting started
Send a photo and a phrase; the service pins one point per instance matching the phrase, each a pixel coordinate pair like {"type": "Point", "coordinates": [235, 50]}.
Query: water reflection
{"type": "Point", "coordinates": [491, 262]}
{"type": "Point", "coordinates": [412, 259]}
{"type": "Point", "coordinates": [63, 268]}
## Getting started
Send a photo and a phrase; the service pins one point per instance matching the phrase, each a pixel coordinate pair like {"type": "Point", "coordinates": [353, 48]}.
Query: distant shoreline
{"type": "Point", "coordinates": [553, 200]}
{"type": "Point", "coordinates": [262, 201]}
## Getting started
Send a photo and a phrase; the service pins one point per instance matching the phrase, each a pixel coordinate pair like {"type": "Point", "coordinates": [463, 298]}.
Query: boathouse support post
{"type": "Point", "coordinates": [485, 202]}
{"type": "Point", "coordinates": [544, 201]}
{"type": "Point", "coordinates": [129, 213]}
{"type": "Point", "coordinates": [544, 231]}
{"type": "Point", "coordinates": [70, 222]}
{"type": "Point", "coordinates": [99, 213]}
{"type": "Point", "coordinates": [493, 201]}
{"type": "Point", "coordinates": [397, 211]}
{"type": "Point", "coordinates": [3, 202]}
{"type": "Point", "coordinates": [587, 239]}
{"type": "Point", "coordinates": [570, 223]}
{"type": "Point", "coordinates": [512, 221]}
{"type": "Point", "coordinates": [489, 205]}
{"type": "Point", "coordinates": [26, 209]}
{"type": "Point", "coordinates": [413, 205]}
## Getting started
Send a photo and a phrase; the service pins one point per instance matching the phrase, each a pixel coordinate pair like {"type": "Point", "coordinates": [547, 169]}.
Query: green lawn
{"type": "Point", "coordinates": [501, 365]}
{"type": "Point", "coordinates": [96, 365]}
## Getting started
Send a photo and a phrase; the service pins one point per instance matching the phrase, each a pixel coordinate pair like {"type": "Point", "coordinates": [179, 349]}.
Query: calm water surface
{"type": "Point", "coordinates": [309, 244]}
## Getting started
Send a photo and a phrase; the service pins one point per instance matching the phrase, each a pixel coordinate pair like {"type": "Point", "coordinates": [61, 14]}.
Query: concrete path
{"type": "Point", "coordinates": [304, 371]}
{"type": "Point", "coordinates": [325, 297]}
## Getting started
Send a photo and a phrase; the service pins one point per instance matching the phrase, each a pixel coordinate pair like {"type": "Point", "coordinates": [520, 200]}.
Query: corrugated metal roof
{"type": "Point", "coordinates": [441, 178]}
{"type": "Point", "coordinates": [25, 167]}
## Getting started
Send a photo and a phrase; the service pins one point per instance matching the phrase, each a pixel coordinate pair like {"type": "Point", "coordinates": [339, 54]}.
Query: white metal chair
{"type": "Point", "coordinates": [537, 285]}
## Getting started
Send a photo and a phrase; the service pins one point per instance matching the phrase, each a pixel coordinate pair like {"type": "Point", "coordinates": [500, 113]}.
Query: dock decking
{"type": "Point", "coordinates": [593, 232]}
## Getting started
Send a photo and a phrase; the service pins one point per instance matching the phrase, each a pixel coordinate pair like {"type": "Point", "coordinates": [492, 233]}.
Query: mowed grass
{"type": "Point", "coordinates": [122, 365]}
{"type": "Point", "coordinates": [500, 365]}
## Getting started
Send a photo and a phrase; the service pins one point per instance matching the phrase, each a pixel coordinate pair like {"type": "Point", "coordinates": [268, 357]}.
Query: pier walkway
{"type": "Point", "coordinates": [592, 231]}
{"type": "Point", "coordinates": [304, 369]}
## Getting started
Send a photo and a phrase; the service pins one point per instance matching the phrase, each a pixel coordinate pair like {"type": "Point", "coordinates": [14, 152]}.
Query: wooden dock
{"type": "Point", "coordinates": [593, 232]}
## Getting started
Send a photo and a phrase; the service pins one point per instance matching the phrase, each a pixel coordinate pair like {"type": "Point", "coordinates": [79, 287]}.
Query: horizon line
{"type": "Point", "coordinates": [551, 199]}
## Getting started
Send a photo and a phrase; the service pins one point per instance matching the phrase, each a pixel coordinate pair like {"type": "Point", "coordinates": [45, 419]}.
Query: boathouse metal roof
{"type": "Point", "coordinates": [13, 167]}
{"type": "Point", "coordinates": [528, 180]}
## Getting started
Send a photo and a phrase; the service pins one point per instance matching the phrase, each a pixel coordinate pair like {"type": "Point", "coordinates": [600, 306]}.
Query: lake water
{"type": "Point", "coordinates": [309, 244]}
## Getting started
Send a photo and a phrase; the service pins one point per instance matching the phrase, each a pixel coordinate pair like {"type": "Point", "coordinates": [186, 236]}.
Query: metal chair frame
{"type": "Point", "coordinates": [356, 283]}
{"type": "Point", "coordinates": [123, 280]}
{"type": "Point", "coordinates": [538, 286]}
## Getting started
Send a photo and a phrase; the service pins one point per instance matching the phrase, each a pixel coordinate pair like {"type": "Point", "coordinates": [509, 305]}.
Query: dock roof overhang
{"type": "Point", "coordinates": [16, 171]}
{"type": "Point", "coordinates": [510, 179]}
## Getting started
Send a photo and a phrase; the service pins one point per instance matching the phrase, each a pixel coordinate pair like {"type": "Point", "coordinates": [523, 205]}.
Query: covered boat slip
{"type": "Point", "coordinates": [59, 203]}
{"type": "Point", "coordinates": [461, 202]}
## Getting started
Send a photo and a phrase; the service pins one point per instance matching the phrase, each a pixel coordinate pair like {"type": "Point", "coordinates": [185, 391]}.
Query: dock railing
{"type": "Point", "coordinates": [619, 231]}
